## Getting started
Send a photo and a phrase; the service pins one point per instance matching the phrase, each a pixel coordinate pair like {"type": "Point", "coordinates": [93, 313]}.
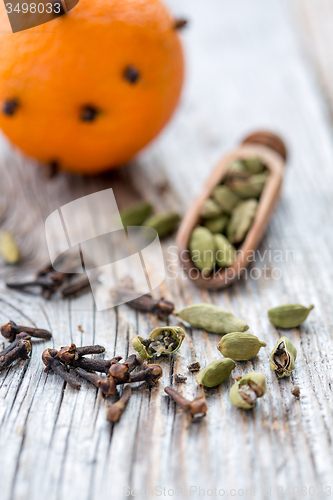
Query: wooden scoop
{"type": "Point", "coordinates": [273, 153]}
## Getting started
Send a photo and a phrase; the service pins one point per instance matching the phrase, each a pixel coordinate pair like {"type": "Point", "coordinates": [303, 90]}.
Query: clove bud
{"type": "Point", "coordinates": [52, 363]}
{"type": "Point", "coordinates": [72, 353]}
{"type": "Point", "coordinates": [10, 330]}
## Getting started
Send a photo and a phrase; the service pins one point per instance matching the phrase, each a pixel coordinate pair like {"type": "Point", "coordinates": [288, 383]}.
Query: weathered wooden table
{"type": "Point", "coordinates": [250, 64]}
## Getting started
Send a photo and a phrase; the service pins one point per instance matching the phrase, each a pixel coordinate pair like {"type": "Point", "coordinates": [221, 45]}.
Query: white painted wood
{"type": "Point", "coordinates": [246, 70]}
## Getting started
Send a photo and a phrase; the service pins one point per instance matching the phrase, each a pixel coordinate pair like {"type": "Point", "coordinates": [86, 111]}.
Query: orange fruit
{"type": "Point", "coordinates": [87, 90]}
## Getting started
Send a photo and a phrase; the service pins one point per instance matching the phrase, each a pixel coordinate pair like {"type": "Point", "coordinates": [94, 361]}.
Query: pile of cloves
{"type": "Point", "coordinates": [70, 362]}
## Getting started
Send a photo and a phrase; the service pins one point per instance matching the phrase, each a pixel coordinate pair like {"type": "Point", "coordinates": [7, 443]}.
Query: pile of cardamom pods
{"type": "Point", "coordinates": [226, 217]}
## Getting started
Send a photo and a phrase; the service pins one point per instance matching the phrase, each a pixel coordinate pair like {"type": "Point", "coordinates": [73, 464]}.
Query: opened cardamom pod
{"type": "Point", "coordinates": [212, 319]}
{"type": "Point", "coordinates": [240, 346]}
{"type": "Point", "coordinates": [246, 390]}
{"type": "Point", "coordinates": [289, 316]}
{"type": "Point", "coordinates": [162, 340]}
{"type": "Point", "coordinates": [216, 372]}
{"type": "Point", "coordinates": [283, 358]}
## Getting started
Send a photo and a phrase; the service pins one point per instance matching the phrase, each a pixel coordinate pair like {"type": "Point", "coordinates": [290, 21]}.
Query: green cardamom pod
{"type": "Point", "coordinates": [217, 224]}
{"type": "Point", "coordinates": [162, 340]}
{"type": "Point", "coordinates": [164, 224]}
{"type": "Point", "coordinates": [216, 372]}
{"type": "Point", "coordinates": [225, 251]}
{"type": "Point", "coordinates": [246, 390]}
{"type": "Point", "coordinates": [225, 198]}
{"type": "Point", "coordinates": [240, 346]}
{"type": "Point", "coordinates": [289, 316]}
{"type": "Point", "coordinates": [202, 249]}
{"type": "Point", "coordinates": [9, 249]}
{"type": "Point", "coordinates": [254, 165]}
{"type": "Point", "coordinates": [241, 220]}
{"type": "Point", "coordinates": [210, 208]}
{"type": "Point", "coordinates": [212, 319]}
{"type": "Point", "coordinates": [248, 188]}
{"type": "Point", "coordinates": [237, 169]}
{"type": "Point", "coordinates": [136, 215]}
{"type": "Point", "coordinates": [283, 358]}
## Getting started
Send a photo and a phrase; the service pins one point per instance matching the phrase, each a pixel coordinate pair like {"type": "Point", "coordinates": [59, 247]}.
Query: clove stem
{"type": "Point", "coordinates": [115, 411]}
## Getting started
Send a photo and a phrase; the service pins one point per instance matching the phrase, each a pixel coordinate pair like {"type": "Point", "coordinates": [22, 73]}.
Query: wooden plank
{"type": "Point", "coordinates": [315, 30]}
{"type": "Point", "coordinates": [245, 70]}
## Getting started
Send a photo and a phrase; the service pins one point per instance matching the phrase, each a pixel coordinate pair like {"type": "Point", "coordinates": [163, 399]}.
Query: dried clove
{"type": "Point", "coordinates": [96, 365]}
{"type": "Point", "coordinates": [88, 113]}
{"type": "Point", "coordinates": [161, 308]}
{"type": "Point", "coordinates": [19, 349]}
{"type": "Point", "coordinates": [75, 285]}
{"type": "Point", "coordinates": [150, 374]}
{"type": "Point", "coordinates": [194, 367]}
{"type": "Point", "coordinates": [106, 384]}
{"type": "Point", "coordinates": [180, 23]}
{"type": "Point", "coordinates": [50, 280]}
{"type": "Point", "coordinates": [10, 107]}
{"type": "Point", "coordinates": [10, 330]}
{"type": "Point", "coordinates": [114, 412]}
{"type": "Point", "coordinates": [131, 74]}
{"type": "Point", "coordinates": [72, 353]}
{"type": "Point", "coordinates": [52, 363]}
{"type": "Point", "coordinates": [121, 371]}
{"type": "Point", "coordinates": [195, 409]}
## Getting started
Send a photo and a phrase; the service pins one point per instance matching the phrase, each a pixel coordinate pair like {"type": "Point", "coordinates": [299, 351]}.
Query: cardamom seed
{"type": "Point", "coordinates": [225, 251]}
{"type": "Point", "coordinates": [240, 346]}
{"type": "Point", "coordinates": [164, 224]}
{"type": "Point", "coordinates": [246, 390]}
{"type": "Point", "coordinates": [217, 224]}
{"type": "Point", "coordinates": [202, 249]}
{"type": "Point", "coordinates": [136, 215]}
{"type": "Point", "coordinates": [162, 340]}
{"type": "Point", "coordinates": [289, 316]}
{"type": "Point", "coordinates": [216, 372]}
{"type": "Point", "coordinates": [210, 208]}
{"type": "Point", "coordinates": [254, 165]}
{"type": "Point", "coordinates": [248, 188]}
{"type": "Point", "coordinates": [9, 249]}
{"type": "Point", "coordinates": [241, 220]}
{"type": "Point", "coordinates": [225, 198]}
{"type": "Point", "coordinates": [212, 319]}
{"type": "Point", "coordinates": [283, 358]}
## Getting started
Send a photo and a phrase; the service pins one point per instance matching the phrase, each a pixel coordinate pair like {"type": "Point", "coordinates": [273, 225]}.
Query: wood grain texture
{"type": "Point", "coordinates": [246, 70]}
